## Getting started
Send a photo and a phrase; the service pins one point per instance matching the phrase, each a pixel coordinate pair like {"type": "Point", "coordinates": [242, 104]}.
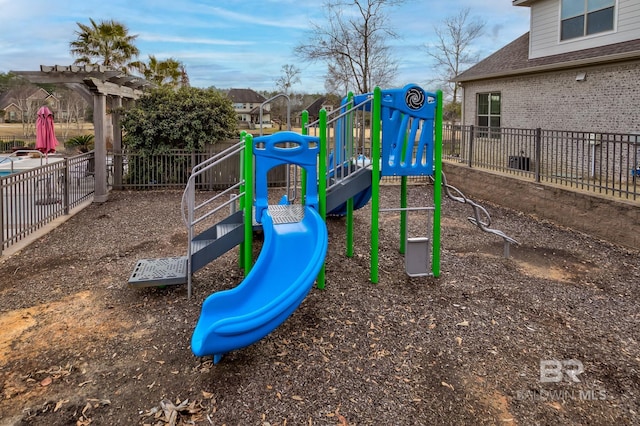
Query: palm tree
{"type": "Point", "coordinates": [169, 72]}
{"type": "Point", "coordinates": [105, 43]}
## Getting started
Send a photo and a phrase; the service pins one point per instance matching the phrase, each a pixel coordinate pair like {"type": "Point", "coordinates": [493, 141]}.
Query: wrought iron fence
{"type": "Point", "coordinates": [10, 143]}
{"type": "Point", "coordinates": [171, 169]}
{"type": "Point", "coordinates": [31, 198]}
{"type": "Point", "coordinates": [605, 163]}
{"type": "Point", "coordinates": [597, 162]}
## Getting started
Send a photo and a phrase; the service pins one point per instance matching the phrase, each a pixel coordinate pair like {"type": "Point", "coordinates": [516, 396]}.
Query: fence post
{"type": "Point", "coordinates": [471, 133]}
{"type": "Point", "coordinates": [538, 148]}
{"type": "Point", "coordinates": [1, 216]}
{"type": "Point", "coordinates": [67, 182]}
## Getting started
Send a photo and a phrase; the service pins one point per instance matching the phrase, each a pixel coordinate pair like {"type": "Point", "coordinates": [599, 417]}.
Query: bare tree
{"type": "Point", "coordinates": [452, 48]}
{"type": "Point", "coordinates": [71, 111]}
{"type": "Point", "coordinates": [184, 77]}
{"type": "Point", "coordinates": [28, 104]}
{"type": "Point", "coordinates": [352, 43]}
{"type": "Point", "coordinates": [290, 76]}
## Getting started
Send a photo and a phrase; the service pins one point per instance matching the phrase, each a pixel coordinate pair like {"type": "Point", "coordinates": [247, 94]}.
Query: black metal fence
{"type": "Point", "coordinates": [605, 163]}
{"type": "Point", "coordinates": [9, 143]}
{"type": "Point", "coordinates": [171, 169]}
{"type": "Point", "coordinates": [32, 197]}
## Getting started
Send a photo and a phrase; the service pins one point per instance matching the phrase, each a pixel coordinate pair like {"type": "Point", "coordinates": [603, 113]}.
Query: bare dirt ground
{"type": "Point", "coordinates": [78, 347]}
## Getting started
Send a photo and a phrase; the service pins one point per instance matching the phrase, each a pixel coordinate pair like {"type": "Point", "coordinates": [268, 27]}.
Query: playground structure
{"type": "Point", "coordinates": [334, 167]}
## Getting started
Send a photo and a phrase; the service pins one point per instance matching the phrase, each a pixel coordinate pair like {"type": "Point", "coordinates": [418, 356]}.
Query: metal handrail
{"type": "Point", "coordinates": [188, 207]}
{"type": "Point", "coordinates": [340, 114]}
{"type": "Point", "coordinates": [21, 151]}
{"type": "Point", "coordinates": [279, 95]}
{"type": "Point", "coordinates": [197, 171]}
{"type": "Point", "coordinates": [233, 149]}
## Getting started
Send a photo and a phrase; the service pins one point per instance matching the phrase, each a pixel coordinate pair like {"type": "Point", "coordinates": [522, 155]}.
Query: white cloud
{"type": "Point", "coordinates": [191, 40]}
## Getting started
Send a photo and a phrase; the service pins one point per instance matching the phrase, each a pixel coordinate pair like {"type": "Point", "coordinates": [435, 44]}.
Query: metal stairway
{"type": "Point", "coordinates": [216, 241]}
{"type": "Point", "coordinates": [204, 247]}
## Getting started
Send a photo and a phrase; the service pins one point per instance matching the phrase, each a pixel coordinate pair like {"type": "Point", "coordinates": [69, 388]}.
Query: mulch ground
{"type": "Point", "coordinates": [78, 346]}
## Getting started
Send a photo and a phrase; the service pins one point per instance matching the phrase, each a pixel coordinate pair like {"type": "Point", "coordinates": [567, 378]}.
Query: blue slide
{"type": "Point", "coordinates": [291, 258]}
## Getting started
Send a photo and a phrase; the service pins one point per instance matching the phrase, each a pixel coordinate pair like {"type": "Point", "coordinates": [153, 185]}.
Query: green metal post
{"type": "Point", "coordinates": [437, 186]}
{"type": "Point", "coordinates": [248, 204]}
{"type": "Point", "coordinates": [322, 183]}
{"type": "Point", "coordinates": [375, 184]}
{"type": "Point", "coordinates": [350, 219]}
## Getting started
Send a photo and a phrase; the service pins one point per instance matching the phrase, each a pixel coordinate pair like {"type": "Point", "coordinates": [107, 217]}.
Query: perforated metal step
{"type": "Point", "coordinates": [158, 272]}
{"type": "Point", "coordinates": [283, 213]}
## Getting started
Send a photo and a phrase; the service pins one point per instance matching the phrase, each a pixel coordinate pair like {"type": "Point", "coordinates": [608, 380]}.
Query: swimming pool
{"type": "Point", "coordinates": [11, 164]}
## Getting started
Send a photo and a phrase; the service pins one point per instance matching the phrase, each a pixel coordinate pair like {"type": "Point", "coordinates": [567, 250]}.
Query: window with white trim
{"type": "Point", "coordinates": [580, 18]}
{"type": "Point", "coordinates": [489, 114]}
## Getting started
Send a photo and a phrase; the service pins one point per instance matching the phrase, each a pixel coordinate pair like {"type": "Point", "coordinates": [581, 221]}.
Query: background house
{"type": "Point", "coordinates": [21, 104]}
{"type": "Point", "coordinates": [315, 107]}
{"type": "Point", "coordinates": [578, 68]}
{"type": "Point", "coordinates": [246, 103]}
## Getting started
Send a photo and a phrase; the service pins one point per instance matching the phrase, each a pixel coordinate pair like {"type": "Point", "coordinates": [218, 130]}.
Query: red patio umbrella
{"type": "Point", "coordinates": [46, 141]}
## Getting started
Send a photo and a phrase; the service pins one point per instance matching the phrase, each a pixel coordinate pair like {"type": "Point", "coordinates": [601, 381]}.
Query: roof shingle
{"type": "Point", "coordinates": [513, 59]}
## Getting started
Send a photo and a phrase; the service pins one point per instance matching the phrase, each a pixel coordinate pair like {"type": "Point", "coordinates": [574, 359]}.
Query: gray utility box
{"type": "Point", "coordinates": [416, 258]}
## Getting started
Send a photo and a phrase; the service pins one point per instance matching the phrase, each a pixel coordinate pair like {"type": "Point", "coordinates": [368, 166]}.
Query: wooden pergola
{"type": "Point", "coordinates": [97, 85]}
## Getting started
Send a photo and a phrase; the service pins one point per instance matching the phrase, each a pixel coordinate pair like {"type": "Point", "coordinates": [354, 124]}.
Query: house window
{"type": "Point", "coordinates": [585, 17]}
{"type": "Point", "coordinates": [489, 114]}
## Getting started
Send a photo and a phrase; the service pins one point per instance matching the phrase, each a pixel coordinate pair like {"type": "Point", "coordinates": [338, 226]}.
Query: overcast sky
{"type": "Point", "coordinates": [240, 44]}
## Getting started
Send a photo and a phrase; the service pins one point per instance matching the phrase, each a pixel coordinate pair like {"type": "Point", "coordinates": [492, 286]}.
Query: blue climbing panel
{"type": "Point", "coordinates": [285, 148]}
{"type": "Point", "coordinates": [407, 116]}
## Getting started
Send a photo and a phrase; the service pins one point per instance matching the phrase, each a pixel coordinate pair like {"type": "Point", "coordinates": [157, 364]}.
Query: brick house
{"type": "Point", "coordinates": [14, 103]}
{"type": "Point", "coordinates": [314, 109]}
{"type": "Point", "coordinates": [246, 104]}
{"type": "Point", "coordinates": [578, 68]}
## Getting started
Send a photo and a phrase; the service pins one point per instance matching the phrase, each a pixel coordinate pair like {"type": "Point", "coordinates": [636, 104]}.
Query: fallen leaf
{"type": "Point", "coordinates": [341, 418]}
{"type": "Point", "coordinates": [59, 404]}
{"type": "Point", "coordinates": [459, 340]}
{"type": "Point", "coordinates": [46, 381]}
{"type": "Point", "coordinates": [297, 398]}
{"type": "Point", "coordinates": [99, 402]}
{"type": "Point", "coordinates": [464, 323]}
{"type": "Point", "coordinates": [85, 409]}
{"type": "Point", "coordinates": [207, 395]}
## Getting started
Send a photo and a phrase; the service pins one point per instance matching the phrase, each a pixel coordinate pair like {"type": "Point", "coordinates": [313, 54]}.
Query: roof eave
{"type": "Point", "coordinates": [619, 57]}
